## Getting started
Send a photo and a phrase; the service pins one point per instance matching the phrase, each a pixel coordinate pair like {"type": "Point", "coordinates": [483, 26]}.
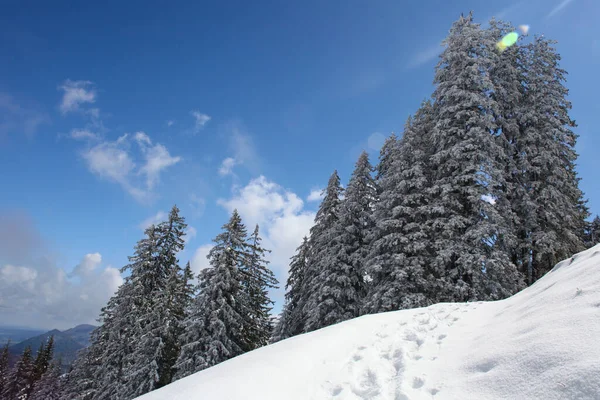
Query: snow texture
{"type": "Point", "coordinates": [541, 343]}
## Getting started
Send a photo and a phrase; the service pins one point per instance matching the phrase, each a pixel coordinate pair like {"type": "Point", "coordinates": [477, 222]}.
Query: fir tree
{"type": "Point", "coordinates": [49, 385]}
{"type": "Point", "coordinates": [20, 379]}
{"type": "Point", "coordinates": [401, 249]}
{"type": "Point", "coordinates": [157, 279]}
{"type": "Point", "coordinates": [291, 322]}
{"type": "Point", "coordinates": [593, 232]}
{"type": "Point", "coordinates": [4, 369]}
{"type": "Point", "coordinates": [556, 211]}
{"type": "Point", "coordinates": [471, 261]}
{"type": "Point", "coordinates": [43, 358]}
{"type": "Point", "coordinates": [214, 329]}
{"type": "Point", "coordinates": [386, 156]}
{"type": "Point", "coordinates": [340, 287]}
{"type": "Point", "coordinates": [322, 236]}
{"type": "Point", "coordinates": [257, 279]}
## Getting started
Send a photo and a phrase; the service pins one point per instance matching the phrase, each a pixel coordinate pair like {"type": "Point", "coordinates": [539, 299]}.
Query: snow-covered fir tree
{"type": "Point", "coordinates": [386, 155]}
{"type": "Point", "coordinates": [43, 359]}
{"type": "Point", "coordinates": [322, 237]}
{"type": "Point", "coordinates": [340, 287]}
{"type": "Point", "coordinates": [554, 217]}
{"type": "Point", "coordinates": [470, 262]}
{"type": "Point", "coordinates": [292, 319]}
{"type": "Point", "coordinates": [4, 369]}
{"type": "Point", "coordinates": [593, 232]}
{"type": "Point", "coordinates": [20, 379]}
{"type": "Point", "coordinates": [215, 325]}
{"type": "Point", "coordinates": [157, 279]}
{"type": "Point", "coordinates": [257, 279]}
{"type": "Point", "coordinates": [49, 385]}
{"type": "Point", "coordinates": [400, 251]}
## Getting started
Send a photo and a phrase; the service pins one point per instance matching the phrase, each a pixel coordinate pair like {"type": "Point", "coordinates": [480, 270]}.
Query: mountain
{"type": "Point", "coordinates": [66, 343]}
{"type": "Point", "coordinates": [81, 334]}
{"type": "Point", "coordinates": [16, 335]}
{"type": "Point", "coordinates": [541, 343]}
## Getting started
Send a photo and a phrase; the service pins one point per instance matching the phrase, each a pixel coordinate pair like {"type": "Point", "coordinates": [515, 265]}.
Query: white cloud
{"type": "Point", "coordinates": [88, 264]}
{"type": "Point", "coordinates": [559, 7]}
{"type": "Point", "coordinates": [201, 120]}
{"type": "Point", "coordinates": [18, 120]}
{"type": "Point", "coordinates": [375, 141]}
{"type": "Point", "coordinates": [43, 295]}
{"type": "Point", "coordinates": [226, 167]}
{"type": "Point", "coordinates": [153, 220]}
{"type": "Point", "coordinates": [199, 260]}
{"type": "Point", "coordinates": [190, 234]}
{"type": "Point", "coordinates": [117, 162]}
{"type": "Point", "coordinates": [170, 123]}
{"type": "Point", "coordinates": [83, 134]}
{"type": "Point", "coordinates": [425, 56]}
{"type": "Point", "coordinates": [280, 214]}
{"type": "Point", "coordinates": [315, 195]}
{"type": "Point", "coordinates": [75, 94]}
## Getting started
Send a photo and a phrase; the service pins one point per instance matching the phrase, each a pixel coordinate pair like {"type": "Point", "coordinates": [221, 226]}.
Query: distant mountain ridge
{"type": "Point", "coordinates": [66, 343]}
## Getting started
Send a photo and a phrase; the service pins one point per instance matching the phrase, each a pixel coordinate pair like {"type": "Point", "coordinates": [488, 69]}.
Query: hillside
{"type": "Point", "coordinates": [16, 335]}
{"type": "Point", "coordinates": [81, 333]}
{"type": "Point", "coordinates": [539, 344]}
{"type": "Point", "coordinates": [66, 343]}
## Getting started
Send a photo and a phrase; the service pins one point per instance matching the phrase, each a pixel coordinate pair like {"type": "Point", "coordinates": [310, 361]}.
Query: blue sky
{"type": "Point", "coordinates": [111, 112]}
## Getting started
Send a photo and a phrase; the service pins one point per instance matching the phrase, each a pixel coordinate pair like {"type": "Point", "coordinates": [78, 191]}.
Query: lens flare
{"type": "Point", "coordinates": [507, 41]}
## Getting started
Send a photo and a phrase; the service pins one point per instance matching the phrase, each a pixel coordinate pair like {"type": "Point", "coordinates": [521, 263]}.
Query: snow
{"type": "Point", "coordinates": [541, 343]}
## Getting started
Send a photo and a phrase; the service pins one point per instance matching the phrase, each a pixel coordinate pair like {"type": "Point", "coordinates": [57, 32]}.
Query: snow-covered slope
{"type": "Point", "coordinates": [542, 343]}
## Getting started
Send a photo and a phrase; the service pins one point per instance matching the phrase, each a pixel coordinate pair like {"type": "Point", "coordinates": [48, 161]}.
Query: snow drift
{"type": "Point", "coordinates": [541, 343]}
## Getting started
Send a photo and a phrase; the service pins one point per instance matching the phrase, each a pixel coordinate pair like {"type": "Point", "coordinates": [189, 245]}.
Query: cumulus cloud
{"type": "Point", "coordinates": [75, 94]}
{"type": "Point", "coordinates": [199, 260]}
{"type": "Point", "coordinates": [38, 292]}
{"type": "Point", "coordinates": [117, 161]}
{"type": "Point", "coordinates": [226, 167]}
{"type": "Point", "coordinates": [315, 195]}
{"type": "Point", "coordinates": [88, 265]}
{"type": "Point", "coordinates": [280, 214]}
{"type": "Point", "coordinates": [18, 120]}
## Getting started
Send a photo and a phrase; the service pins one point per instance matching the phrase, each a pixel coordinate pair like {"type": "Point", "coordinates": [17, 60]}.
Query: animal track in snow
{"type": "Point", "coordinates": [418, 383]}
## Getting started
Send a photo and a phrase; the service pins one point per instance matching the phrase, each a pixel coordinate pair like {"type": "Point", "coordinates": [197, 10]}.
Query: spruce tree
{"type": "Point", "coordinates": [593, 232]}
{"type": "Point", "coordinates": [157, 278]}
{"type": "Point", "coordinates": [322, 236]}
{"type": "Point", "coordinates": [257, 279]}
{"type": "Point", "coordinates": [49, 386]}
{"type": "Point", "coordinates": [555, 215]}
{"type": "Point", "coordinates": [4, 369]}
{"type": "Point", "coordinates": [20, 379]}
{"type": "Point", "coordinates": [386, 156]}
{"type": "Point", "coordinates": [471, 261]}
{"type": "Point", "coordinates": [401, 251]}
{"type": "Point", "coordinates": [43, 358]}
{"type": "Point", "coordinates": [214, 328]}
{"type": "Point", "coordinates": [292, 320]}
{"type": "Point", "coordinates": [340, 286]}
